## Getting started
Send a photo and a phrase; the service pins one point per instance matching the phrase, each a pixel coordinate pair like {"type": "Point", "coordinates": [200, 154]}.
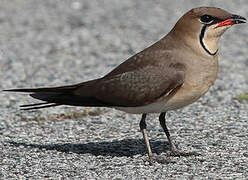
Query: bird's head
{"type": "Point", "coordinates": [205, 25]}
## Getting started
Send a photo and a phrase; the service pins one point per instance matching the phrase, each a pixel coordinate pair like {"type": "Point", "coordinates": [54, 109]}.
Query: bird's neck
{"type": "Point", "coordinates": [199, 43]}
{"type": "Point", "coordinates": [208, 41]}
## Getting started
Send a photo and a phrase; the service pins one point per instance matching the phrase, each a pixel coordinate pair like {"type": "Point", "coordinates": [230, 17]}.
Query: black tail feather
{"type": "Point", "coordinates": [37, 106]}
{"type": "Point", "coordinates": [70, 99]}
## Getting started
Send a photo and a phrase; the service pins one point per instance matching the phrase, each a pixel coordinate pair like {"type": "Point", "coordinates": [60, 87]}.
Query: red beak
{"type": "Point", "coordinates": [227, 22]}
{"type": "Point", "coordinates": [234, 19]}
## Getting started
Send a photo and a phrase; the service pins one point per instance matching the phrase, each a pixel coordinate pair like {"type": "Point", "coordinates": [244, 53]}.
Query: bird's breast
{"type": "Point", "coordinates": [186, 95]}
{"type": "Point", "coordinates": [200, 76]}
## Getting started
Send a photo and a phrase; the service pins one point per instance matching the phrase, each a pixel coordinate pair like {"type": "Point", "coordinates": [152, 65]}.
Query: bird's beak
{"type": "Point", "coordinates": [234, 19]}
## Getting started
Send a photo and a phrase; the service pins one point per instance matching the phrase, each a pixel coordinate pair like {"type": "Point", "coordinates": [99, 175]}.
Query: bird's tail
{"type": "Point", "coordinates": [63, 95]}
{"type": "Point", "coordinates": [44, 94]}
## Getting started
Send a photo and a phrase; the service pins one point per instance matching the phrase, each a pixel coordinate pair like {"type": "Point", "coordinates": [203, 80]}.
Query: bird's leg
{"type": "Point", "coordinates": [144, 133]}
{"type": "Point", "coordinates": [163, 125]}
{"type": "Point", "coordinates": [174, 151]}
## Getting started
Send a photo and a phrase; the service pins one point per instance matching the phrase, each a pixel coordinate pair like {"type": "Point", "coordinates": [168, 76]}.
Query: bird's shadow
{"type": "Point", "coordinates": [118, 148]}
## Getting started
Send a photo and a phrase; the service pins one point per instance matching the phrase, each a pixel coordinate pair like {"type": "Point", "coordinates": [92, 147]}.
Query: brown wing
{"type": "Point", "coordinates": [140, 80]}
{"type": "Point", "coordinates": [137, 88]}
{"type": "Point", "coordinates": [134, 88]}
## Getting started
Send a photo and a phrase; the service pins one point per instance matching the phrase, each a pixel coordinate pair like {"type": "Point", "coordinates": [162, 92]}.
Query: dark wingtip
{"type": "Point", "coordinates": [16, 90]}
{"type": "Point", "coordinates": [7, 90]}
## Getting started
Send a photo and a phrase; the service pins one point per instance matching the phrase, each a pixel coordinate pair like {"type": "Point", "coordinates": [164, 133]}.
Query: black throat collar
{"type": "Point", "coordinates": [202, 34]}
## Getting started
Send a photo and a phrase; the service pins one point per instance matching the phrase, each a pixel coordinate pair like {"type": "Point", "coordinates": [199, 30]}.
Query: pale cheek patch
{"type": "Point", "coordinates": [210, 41]}
{"type": "Point", "coordinates": [212, 36]}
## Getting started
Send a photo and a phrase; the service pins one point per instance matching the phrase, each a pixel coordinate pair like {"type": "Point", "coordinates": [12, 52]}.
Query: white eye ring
{"type": "Point", "coordinates": [206, 22]}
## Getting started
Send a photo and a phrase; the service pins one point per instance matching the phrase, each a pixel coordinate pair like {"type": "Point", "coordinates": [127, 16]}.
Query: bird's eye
{"type": "Point", "coordinates": [206, 19]}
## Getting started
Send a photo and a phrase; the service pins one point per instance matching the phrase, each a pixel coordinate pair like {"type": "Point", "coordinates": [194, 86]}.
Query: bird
{"type": "Point", "coordinates": [172, 73]}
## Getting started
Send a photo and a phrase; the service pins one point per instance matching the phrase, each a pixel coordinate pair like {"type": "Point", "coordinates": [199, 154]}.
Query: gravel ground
{"type": "Point", "coordinates": [50, 43]}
